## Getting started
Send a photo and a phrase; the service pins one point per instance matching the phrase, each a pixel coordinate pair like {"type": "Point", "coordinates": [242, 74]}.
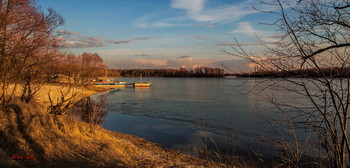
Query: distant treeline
{"type": "Point", "coordinates": [334, 72]}
{"type": "Point", "coordinates": [182, 72]}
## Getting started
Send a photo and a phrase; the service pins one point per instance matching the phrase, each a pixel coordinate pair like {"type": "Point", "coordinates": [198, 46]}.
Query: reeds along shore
{"type": "Point", "coordinates": [31, 137]}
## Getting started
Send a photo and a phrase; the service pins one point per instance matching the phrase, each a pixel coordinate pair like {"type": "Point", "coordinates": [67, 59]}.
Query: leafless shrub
{"type": "Point", "coordinates": [64, 101]}
{"type": "Point", "coordinates": [89, 110]}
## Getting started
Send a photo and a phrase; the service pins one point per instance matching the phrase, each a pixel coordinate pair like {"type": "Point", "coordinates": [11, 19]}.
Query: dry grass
{"type": "Point", "coordinates": [59, 141]}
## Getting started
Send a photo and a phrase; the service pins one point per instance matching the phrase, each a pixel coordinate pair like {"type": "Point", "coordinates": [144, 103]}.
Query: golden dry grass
{"type": "Point", "coordinates": [54, 90]}
{"type": "Point", "coordinates": [59, 141]}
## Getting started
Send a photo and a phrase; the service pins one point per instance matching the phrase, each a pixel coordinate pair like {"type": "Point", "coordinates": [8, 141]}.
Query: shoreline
{"type": "Point", "coordinates": [60, 141]}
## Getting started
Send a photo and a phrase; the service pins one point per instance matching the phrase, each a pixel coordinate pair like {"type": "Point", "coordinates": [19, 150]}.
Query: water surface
{"type": "Point", "coordinates": [177, 112]}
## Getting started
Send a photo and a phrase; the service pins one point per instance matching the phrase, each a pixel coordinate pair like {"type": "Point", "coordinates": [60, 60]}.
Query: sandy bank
{"type": "Point", "coordinates": [55, 90]}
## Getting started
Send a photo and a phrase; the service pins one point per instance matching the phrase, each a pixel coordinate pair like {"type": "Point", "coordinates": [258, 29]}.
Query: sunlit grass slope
{"type": "Point", "coordinates": [58, 141]}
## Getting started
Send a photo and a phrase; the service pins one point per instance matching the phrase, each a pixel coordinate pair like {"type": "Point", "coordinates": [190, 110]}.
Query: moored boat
{"type": "Point", "coordinates": [109, 83]}
{"type": "Point", "coordinates": [142, 84]}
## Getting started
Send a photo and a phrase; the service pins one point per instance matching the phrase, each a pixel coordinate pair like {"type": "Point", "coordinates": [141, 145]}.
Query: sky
{"type": "Point", "coordinates": [162, 33]}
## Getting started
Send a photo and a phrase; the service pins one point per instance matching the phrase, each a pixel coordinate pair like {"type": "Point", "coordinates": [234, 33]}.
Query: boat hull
{"type": "Point", "coordinates": [110, 86]}
{"type": "Point", "coordinates": [142, 85]}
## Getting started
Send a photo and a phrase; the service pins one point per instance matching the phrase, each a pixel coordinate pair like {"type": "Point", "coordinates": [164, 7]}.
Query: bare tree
{"type": "Point", "coordinates": [79, 68]}
{"type": "Point", "coordinates": [92, 65]}
{"type": "Point", "coordinates": [26, 35]}
{"type": "Point", "coordinates": [314, 47]}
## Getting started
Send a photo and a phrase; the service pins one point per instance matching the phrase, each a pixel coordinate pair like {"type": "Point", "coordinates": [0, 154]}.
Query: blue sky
{"type": "Point", "coordinates": [160, 33]}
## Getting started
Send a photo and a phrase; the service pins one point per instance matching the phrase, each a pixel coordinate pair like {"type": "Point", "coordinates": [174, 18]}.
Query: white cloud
{"type": "Point", "coordinates": [189, 62]}
{"type": "Point", "coordinates": [271, 39]}
{"type": "Point", "coordinates": [144, 22]}
{"type": "Point", "coordinates": [130, 40]}
{"type": "Point", "coordinates": [232, 44]}
{"type": "Point", "coordinates": [162, 24]}
{"type": "Point", "coordinates": [247, 29]}
{"type": "Point", "coordinates": [149, 62]}
{"type": "Point", "coordinates": [69, 42]}
{"type": "Point", "coordinates": [195, 11]}
{"type": "Point", "coordinates": [192, 7]}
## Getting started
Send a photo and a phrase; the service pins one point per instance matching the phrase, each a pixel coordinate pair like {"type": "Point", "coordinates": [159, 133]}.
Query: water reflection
{"type": "Point", "coordinates": [175, 112]}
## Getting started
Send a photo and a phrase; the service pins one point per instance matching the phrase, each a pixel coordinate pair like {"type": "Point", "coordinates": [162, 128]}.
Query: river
{"type": "Point", "coordinates": [178, 113]}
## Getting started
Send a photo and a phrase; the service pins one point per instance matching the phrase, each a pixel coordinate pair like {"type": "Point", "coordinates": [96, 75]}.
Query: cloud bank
{"type": "Point", "coordinates": [70, 39]}
{"type": "Point", "coordinates": [176, 62]}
